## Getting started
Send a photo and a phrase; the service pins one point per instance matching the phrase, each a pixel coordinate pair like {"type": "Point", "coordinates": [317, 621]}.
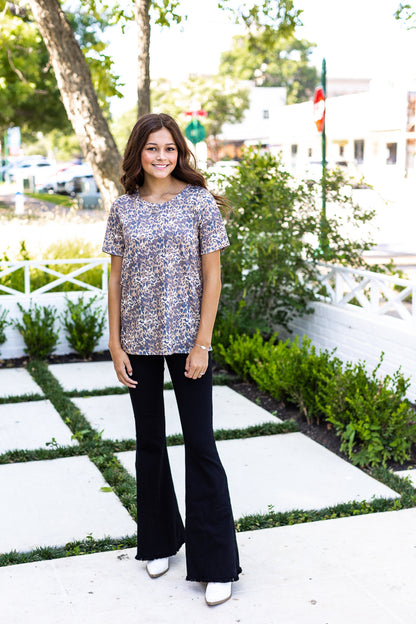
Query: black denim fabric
{"type": "Point", "coordinates": [209, 534]}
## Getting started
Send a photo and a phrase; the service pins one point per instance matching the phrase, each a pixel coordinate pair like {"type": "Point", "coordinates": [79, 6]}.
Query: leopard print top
{"type": "Point", "coordinates": [161, 278]}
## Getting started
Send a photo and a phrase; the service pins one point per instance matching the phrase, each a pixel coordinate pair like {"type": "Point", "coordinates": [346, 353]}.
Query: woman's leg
{"type": "Point", "coordinates": [160, 531]}
{"type": "Point", "coordinates": [211, 546]}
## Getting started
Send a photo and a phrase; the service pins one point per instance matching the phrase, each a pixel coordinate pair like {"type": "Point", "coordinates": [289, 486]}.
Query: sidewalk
{"type": "Point", "coordinates": [350, 570]}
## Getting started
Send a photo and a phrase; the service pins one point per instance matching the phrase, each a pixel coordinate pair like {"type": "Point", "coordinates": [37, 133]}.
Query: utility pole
{"type": "Point", "coordinates": [324, 221]}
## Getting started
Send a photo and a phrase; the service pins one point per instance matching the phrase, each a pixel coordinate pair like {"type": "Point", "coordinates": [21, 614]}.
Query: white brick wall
{"type": "Point", "coordinates": [359, 335]}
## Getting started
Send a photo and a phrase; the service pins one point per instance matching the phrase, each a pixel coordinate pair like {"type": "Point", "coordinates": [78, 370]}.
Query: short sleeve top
{"type": "Point", "coordinates": [161, 276]}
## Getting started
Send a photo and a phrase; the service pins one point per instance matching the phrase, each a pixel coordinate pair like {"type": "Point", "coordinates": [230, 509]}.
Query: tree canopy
{"type": "Point", "coordinates": [270, 18]}
{"type": "Point", "coordinates": [224, 99]}
{"type": "Point", "coordinates": [282, 62]}
{"type": "Point", "coordinates": [29, 95]}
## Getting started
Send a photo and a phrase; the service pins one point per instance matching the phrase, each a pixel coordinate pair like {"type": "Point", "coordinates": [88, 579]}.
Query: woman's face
{"type": "Point", "coordinates": [159, 155]}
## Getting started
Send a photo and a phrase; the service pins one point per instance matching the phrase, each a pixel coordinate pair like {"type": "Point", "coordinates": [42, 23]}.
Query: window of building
{"type": "Point", "coordinates": [359, 151]}
{"type": "Point", "coordinates": [265, 114]}
{"type": "Point", "coordinates": [309, 152]}
{"type": "Point", "coordinates": [294, 149]}
{"type": "Point", "coordinates": [342, 150]}
{"type": "Point", "coordinates": [391, 153]}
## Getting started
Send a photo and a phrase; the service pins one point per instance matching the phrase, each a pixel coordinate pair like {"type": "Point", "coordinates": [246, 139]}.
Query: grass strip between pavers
{"type": "Point", "coordinates": [71, 549]}
{"type": "Point", "coordinates": [101, 452]}
{"type": "Point", "coordinates": [401, 485]}
{"type": "Point", "coordinates": [21, 398]}
{"type": "Point", "coordinates": [97, 445]}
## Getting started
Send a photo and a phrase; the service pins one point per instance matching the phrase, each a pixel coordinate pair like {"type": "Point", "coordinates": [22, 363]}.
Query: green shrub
{"type": "Point", "coordinates": [372, 416]}
{"type": "Point", "coordinates": [3, 324]}
{"type": "Point", "coordinates": [84, 325]}
{"type": "Point", "coordinates": [287, 370]}
{"type": "Point", "coordinates": [269, 271]}
{"type": "Point", "coordinates": [37, 329]}
{"type": "Point", "coordinates": [242, 350]}
{"type": "Point", "coordinates": [298, 373]}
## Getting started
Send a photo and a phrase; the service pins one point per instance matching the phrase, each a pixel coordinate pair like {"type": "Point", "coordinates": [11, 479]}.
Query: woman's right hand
{"type": "Point", "coordinates": [123, 367]}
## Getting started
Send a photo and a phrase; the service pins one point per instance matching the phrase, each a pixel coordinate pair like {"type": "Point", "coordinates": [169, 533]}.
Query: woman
{"type": "Point", "coordinates": [165, 236]}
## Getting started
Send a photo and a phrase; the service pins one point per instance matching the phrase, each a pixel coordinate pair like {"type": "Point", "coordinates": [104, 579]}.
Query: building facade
{"type": "Point", "coordinates": [373, 129]}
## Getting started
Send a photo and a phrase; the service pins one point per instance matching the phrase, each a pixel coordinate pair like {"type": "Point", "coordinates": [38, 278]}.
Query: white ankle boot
{"type": "Point", "coordinates": [157, 567]}
{"type": "Point", "coordinates": [216, 593]}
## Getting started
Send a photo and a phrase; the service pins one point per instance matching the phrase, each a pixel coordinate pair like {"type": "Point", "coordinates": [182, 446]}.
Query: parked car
{"type": "Point", "coordinates": [33, 169]}
{"type": "Point", "coordinates": [72, 179]}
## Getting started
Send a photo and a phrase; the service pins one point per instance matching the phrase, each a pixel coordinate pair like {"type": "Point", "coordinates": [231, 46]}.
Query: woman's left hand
{"type": "Point", "coordinates": [196, 363]}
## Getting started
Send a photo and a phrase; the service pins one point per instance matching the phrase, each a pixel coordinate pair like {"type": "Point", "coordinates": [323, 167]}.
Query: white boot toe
{"type": "Point", "coordinates": [157, 567]}
{"type": "Point", "coordinates": [217, 593]}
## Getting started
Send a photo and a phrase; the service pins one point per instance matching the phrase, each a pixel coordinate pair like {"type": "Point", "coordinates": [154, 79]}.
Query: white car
{"type": "Point", "coordinates": [72, 179]}
{"type": "Point", "coordinates": [35, 170]}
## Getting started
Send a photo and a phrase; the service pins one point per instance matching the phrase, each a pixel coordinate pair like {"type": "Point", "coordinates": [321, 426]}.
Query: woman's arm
{"type": "Point", "coordinates": [120, 358]}
{"type": "Point", "coordinates": [197, 360]}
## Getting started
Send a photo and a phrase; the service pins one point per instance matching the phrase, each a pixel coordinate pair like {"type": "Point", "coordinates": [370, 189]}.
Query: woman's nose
{"type": "Point", "coordinates": [162, 154]}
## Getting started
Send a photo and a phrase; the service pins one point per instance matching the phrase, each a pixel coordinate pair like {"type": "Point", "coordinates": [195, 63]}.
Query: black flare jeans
{"type": "Point", "coordinates": [209, 533]}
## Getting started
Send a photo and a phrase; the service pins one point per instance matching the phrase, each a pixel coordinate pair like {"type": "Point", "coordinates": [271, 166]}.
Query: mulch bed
{"type": "Point", "coordinates": [321, 432]}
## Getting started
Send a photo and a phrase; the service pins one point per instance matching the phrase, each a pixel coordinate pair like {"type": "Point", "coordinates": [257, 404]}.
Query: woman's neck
{"type": "Point", "coordinates": [159, 191]}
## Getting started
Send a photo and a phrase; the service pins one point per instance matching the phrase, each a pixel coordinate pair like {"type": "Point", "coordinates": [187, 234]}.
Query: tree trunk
{"type": "Point", "coordinates": [142, 17]}
{"type": "Point", "coordinates": [79, 97]}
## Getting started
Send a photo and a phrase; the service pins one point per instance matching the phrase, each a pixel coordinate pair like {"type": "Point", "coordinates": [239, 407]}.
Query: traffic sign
{"type": "Point", "coordinates": [195, 131]}
{"type": "Point", "coordinates": [197, 113]}
{"type": "Point", "coordinates": [319, 108]}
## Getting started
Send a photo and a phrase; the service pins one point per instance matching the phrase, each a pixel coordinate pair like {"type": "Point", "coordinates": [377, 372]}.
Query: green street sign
{"type": "Point", "coordinates": [195, 131]}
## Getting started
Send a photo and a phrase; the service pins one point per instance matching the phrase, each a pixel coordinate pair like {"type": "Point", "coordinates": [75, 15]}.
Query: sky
{"type": "Point", "coordinates": [358, 38]}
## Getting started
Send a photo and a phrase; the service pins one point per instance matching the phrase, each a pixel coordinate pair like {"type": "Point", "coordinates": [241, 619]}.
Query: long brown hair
{"type": "Point", "coordinates": [185, 170]}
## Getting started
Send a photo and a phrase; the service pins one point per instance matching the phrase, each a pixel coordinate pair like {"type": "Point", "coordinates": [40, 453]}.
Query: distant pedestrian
{"type": "Point", "coordinates": [164, 236]}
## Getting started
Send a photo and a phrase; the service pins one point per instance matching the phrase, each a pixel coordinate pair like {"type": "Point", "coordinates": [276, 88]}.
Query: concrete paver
{"type": "Point", "coordinates": [16, 382]}
{"type": "Point", "coordinates": [113, 414]}
{"type": "Point", "coordinates": [336, 571]}
{"type": "Point", "coordinates": [52, 502]}
{"type": "Point", "coordinates": [288, 471]}
{"type": "Point", "coordinates": [30, 425]}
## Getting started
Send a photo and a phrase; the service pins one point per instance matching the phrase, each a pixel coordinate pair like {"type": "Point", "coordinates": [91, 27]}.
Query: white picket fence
{"type": "Point", "coordinates": [82, 266]}
{"type": "Point", "coordinates": [64, 271]}
{"type": "Point", "coordinates": [375, 293]}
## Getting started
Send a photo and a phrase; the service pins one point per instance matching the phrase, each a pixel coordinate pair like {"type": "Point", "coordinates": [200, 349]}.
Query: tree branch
{"type": "Point", "coordinates": [14, 68]}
